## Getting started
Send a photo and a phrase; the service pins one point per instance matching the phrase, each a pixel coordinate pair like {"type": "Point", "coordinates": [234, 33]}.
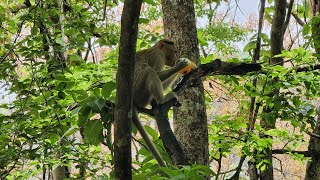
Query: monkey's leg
{"type": "Point", "coordinates": [150, 145]}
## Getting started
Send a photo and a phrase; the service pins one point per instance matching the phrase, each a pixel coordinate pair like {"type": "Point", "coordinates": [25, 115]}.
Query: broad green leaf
{"type": "Point", "coordinates": [143, 21]}
{"type": "Point", "coordinates": [93, 131]}
{"type": "Point", "coordinates": [70, 131]}
{"type": "Point", "coordinates": [97, 104]}
{"type": "Point", "coordinates": [75, 57]}
{"type": "Point", "coordinates": [204, 168]}
{"type": "Point", "coordinates": [107, 89]}
{"type": "Point", "coordinates": [249, 46]}
{"type": "Point", "coordinates": [84, 113]}
{"type": "Point", "coordinates": [169, 171]}
{"type": "Point", "coordinates": [151, 132]}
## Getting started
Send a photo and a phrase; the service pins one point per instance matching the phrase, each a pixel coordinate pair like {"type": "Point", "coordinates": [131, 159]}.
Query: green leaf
{"type": "Point", "coordinates": [306, 29]}
{"type": "Point", "coordinates": [70, 131]}
{"type": "Point", "coordinates": [208, 59]}
{"type": "Point", "coordinates": [151, 2]}
{"type": "Point", "coordinates": [84, 113]}
{"type": "Point", "coordinates": [205, 169]}
{"type": "Point", "coordinates": [249, 46]}
{"type": "Point", "coordinates": [153, 133]}
{"type": "Point", "coordinates": [296, 101]}
{"type": "Point", "coordinates": [97, 104]}
{"type": "Point", "coordinates": [61, 95]}
{"type": "Point", "coordinates": [169, 171]}
{"type": "Point", "coordinates": [75, 57]}
{"type": "Point", "coordinates": [93, 131]}
{"type": "Point", "coordinates": [107, 89]}
{"type": "Point", "coordinates": [143, 21]}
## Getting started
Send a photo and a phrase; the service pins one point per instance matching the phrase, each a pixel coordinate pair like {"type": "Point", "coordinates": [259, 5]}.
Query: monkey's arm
{"type": "Point", "coordinates": [168, 82]}
{"type": "Point", "coordinates": [165, 74]}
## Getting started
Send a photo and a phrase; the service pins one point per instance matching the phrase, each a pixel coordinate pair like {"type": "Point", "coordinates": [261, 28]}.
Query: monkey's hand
{"type": "Point", "coordinates": [187, 69]}
{"type": "Point", "coordinates": [182, 63]}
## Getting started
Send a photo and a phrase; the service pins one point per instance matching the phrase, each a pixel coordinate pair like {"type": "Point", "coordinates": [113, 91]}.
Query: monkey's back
{"type": "Point", "coordinates": [152, 57]}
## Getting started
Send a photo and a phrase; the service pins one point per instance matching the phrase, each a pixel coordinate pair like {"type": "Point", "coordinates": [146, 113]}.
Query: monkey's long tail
{"type": "Point", "coordinates": [150, 145]}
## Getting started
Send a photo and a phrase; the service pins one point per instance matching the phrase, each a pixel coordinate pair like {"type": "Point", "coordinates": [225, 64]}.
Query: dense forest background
{"type": "Point", "coordinates": [58, 73]}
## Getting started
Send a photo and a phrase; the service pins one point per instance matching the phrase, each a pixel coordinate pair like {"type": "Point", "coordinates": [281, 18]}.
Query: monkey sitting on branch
{"type": "Point", "coordinates": [151, 79]}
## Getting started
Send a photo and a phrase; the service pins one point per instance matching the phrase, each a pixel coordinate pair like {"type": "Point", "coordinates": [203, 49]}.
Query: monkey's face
{"type": "Point", "coordinates": [170, 52]}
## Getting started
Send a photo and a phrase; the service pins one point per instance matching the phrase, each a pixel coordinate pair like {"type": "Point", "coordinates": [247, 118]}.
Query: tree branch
{"type": "Point", "coordinates": [26, 4]}
{"type": "Point", "coordinates": [313, 135]}
{"type": "Point", "coordinates": [285, 151]}
{"type": "Point", "coordinates": [238, 169]}
{"type": "Point", "coordinates": [299, 21]}
{"type": "Point", "coordinates": [308, 68]}
{"type": "Point", "coordinates": [286, 23]}
{"type": "Point", "coordinates": [216, 67]}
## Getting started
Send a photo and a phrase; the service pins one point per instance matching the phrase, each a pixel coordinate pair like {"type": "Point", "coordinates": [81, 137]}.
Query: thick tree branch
{"type": "Point", "coordinates": [308, 68]}
{"type": "Point", "coordinates": [216, 67]}
{"type": "Point", "coordinates": [170, 141]}
{"type": "Point", "coordinates": [285, 151]}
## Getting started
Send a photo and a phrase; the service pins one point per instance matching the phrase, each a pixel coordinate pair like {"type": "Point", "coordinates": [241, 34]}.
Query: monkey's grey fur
{"type": "Point", "coordinates": [151, 79]}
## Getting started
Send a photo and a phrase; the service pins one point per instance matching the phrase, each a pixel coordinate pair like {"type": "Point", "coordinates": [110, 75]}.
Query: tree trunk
{"type": "Point", "coordinates": [313, 170]}
{"type": "Point", "coordinates": [61, 172]}
{"type": "Point", "coordinates": [57, 61]}
{"type": "Point", "coordinates": [124, 102]}
{"type": "Point", "coordinates": [252, 169]}
{"type": "Point", "coordinates": [190, 120]}
{"type": "Point", "coordinates": [277, 32]}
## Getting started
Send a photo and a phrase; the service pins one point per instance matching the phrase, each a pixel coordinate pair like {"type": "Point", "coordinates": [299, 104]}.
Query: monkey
{"type": "Point", "coordinates": [151, 79]}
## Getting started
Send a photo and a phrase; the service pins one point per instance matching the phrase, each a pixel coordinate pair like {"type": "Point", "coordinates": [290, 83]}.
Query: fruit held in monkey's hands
{"type": "Point", "coordinates": [191, 65]}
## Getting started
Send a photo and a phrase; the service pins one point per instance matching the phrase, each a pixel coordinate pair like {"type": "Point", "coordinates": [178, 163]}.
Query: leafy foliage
{"type": "Point", "coordinates": [63, 91]}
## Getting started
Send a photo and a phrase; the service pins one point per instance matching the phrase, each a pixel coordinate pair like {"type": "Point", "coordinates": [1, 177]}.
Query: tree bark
{"type": "Point", "coordinates": [254, 107]}
{"type": "Point", "coordinates": [190, 120]}
{"type": "Point", "coordinates": [124, 102]}
{"type": "Point", "coordinates": [276, 43]}
{"type": "Point", "coordinates": [313, 170]}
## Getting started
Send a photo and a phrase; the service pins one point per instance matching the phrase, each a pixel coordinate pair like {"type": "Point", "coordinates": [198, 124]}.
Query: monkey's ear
{"type": "Point", "coordinates": [160, 44]}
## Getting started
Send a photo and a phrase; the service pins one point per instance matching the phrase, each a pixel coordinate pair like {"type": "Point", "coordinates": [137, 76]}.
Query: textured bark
{"type": "Point", "coordinates": [61, 172]}
{"type": "Point", "coordinates": [190, 120]}
{"type": "Point", "coordinates": [314, 7]}
{"type": "Point", "coordinates": [277, 31]}
{"type": "Point", "coordinates": [313, 170]}
{"type": "Point", "coordinates": [276, 43]}
{"type": "Point", "coordinates": [254, 107]}
{"type": "Point", "coordinates": [170, 142]}
{"type": "Point", "coordinates": [315, 27]}
{"type": "Point", "coordinates": [124, 102]}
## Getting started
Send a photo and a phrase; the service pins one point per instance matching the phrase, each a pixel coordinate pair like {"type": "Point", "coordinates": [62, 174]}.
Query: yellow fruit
{"type": "Point", "coordinates": [189, 68]}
